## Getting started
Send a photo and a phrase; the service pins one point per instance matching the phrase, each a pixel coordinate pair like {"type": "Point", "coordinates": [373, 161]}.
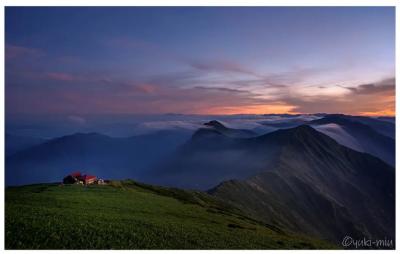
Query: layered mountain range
{"type": "Point", "coordinates": [98, 154]}
{"type": "Point", "coordinates": [374, 139]}
{"type": "Point", "coordinates": [317, 186]}
{"type": "Point", "coordinates": [296, 178]}
{"type": "Point", "coordinates": [328, 177]}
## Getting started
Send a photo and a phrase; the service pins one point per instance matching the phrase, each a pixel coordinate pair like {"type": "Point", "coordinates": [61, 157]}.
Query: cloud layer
{"type": "Point", "coordinates": [210, 87]}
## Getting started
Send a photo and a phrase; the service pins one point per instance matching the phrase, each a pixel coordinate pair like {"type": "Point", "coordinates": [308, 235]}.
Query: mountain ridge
{"type": "Point", "coordinates": [366, 138]}
{"type": "Point", "coordinates": [297, 178]}
{"type": "Point", "coordinates": [335, 180]}
{"type": "Point", "coordinates": [99, 154]}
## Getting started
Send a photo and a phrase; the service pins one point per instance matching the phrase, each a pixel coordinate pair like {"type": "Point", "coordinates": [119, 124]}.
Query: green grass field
{"type": "Point", "coordinates": [128, 215]}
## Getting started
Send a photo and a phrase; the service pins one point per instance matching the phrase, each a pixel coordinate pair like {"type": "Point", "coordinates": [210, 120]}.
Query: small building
{"type": "Point", "coordinates": [88, 179]}
{"type": "Point", "coordinates": [100, 181]}
{"type": "Point", "coordinates": [78, 178]}
{"type": "Point", "coordinates": [69, 179]}
{"type": "Point", "coordinates": [76, 174]}
{"type": "Point", "coordinates": [72, 178]}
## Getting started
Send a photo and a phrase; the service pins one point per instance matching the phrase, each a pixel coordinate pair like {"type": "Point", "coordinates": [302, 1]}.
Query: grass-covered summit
{"type": "Point", "coordinates": [129, 215]}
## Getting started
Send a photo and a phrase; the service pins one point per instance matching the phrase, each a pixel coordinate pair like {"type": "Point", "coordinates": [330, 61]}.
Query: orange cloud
{"type": "Point", "coordinates": [250, 109]}
{"type": "Point", "coordinates": [375, 99]}
{"type": "Point", "coordinates": [387, 112]}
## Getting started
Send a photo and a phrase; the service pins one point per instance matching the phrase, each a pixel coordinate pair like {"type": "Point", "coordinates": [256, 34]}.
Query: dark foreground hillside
{"type": "Point", "coordinates": [127, 215]}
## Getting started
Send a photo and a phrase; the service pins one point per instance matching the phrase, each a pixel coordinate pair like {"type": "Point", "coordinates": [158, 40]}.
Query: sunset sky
{"type": "Point", "coordinates": [79, 61]}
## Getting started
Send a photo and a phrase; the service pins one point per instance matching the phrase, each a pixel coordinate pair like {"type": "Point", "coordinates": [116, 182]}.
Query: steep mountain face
{"type": "Point", "coordinates": [358, 136]}
{"type": "Point", "coordinates": [208, 158]}
{"type": "Point", "coordinates": [296, 178]}
{"type": "Point", "coordinates": [93, 153]}
{"type": "Point", "coordinates": [319, 187]}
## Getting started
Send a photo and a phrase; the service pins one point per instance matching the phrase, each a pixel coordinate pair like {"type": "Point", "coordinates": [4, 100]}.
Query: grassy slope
{"type": "Point", "coordinates": [128, 215]}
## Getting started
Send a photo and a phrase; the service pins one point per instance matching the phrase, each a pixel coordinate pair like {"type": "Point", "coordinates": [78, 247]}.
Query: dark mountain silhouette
{"type": "Point", "coordinates": [229, 132]}
{"type": "Point", "coordinates": [93, 153]}
{"type": "Point", "coordinates": [285, 123]}
{"type": "Point", "coordinates": [296, 178]}
{"type": "Point", "coordinates": [358, 136]}
{"type": "Point", "coordinates": [389, 119]}
{"type": "Point", "coordinates": [383, 125]}
{"type": "Point", "coordinates": [209, 157]}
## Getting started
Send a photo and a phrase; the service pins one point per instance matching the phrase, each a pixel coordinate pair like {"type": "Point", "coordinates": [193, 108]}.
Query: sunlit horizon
{"type": "Point", "coordinates": [200, 61]}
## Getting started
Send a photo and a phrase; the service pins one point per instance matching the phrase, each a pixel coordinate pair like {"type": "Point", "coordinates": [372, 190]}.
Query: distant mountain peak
{"type": "Point", "coordinates": [217, 125]}
{"type": "Point", "coordinates": [80, 136]}
{"type": "Point", "coordinates": [298, 131]}
{"type": "Point", "coordinates": [304, 128]}
{"type": "Point", "coordinates": [215, 129]}
{"type": "Point", "coordinates": [300, 136]}
{"type": "Point", "coordinates": [87, 135]}
{"type": "Point", "coordinates": [338, 119]}
{"type": "Point", "coordinates": [90, 133]}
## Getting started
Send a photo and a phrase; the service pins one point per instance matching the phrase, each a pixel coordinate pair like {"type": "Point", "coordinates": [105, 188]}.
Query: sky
{"type": "Point", "coordinates": [75, 62]}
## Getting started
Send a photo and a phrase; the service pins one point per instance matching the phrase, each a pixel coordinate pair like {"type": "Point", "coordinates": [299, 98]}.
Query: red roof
{"type": "Point", "coordinates": [76, 174]}
{"type": "Point", "coordinates": [87, 177]}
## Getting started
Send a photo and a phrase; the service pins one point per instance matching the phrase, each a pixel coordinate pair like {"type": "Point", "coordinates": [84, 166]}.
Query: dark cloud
{"type": "Point", "coordinates": [125, 97]}
{"type": "Point", "coordinates": [383, 86]}
{"type": "Point", "coordinates": [222, 89]}
{"type": "Point", "coordinates": [135, 97]}
{"type": "Point", "coordinates": [221, 66]}
{"type": "Point", "coordinates": [188, 91]}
